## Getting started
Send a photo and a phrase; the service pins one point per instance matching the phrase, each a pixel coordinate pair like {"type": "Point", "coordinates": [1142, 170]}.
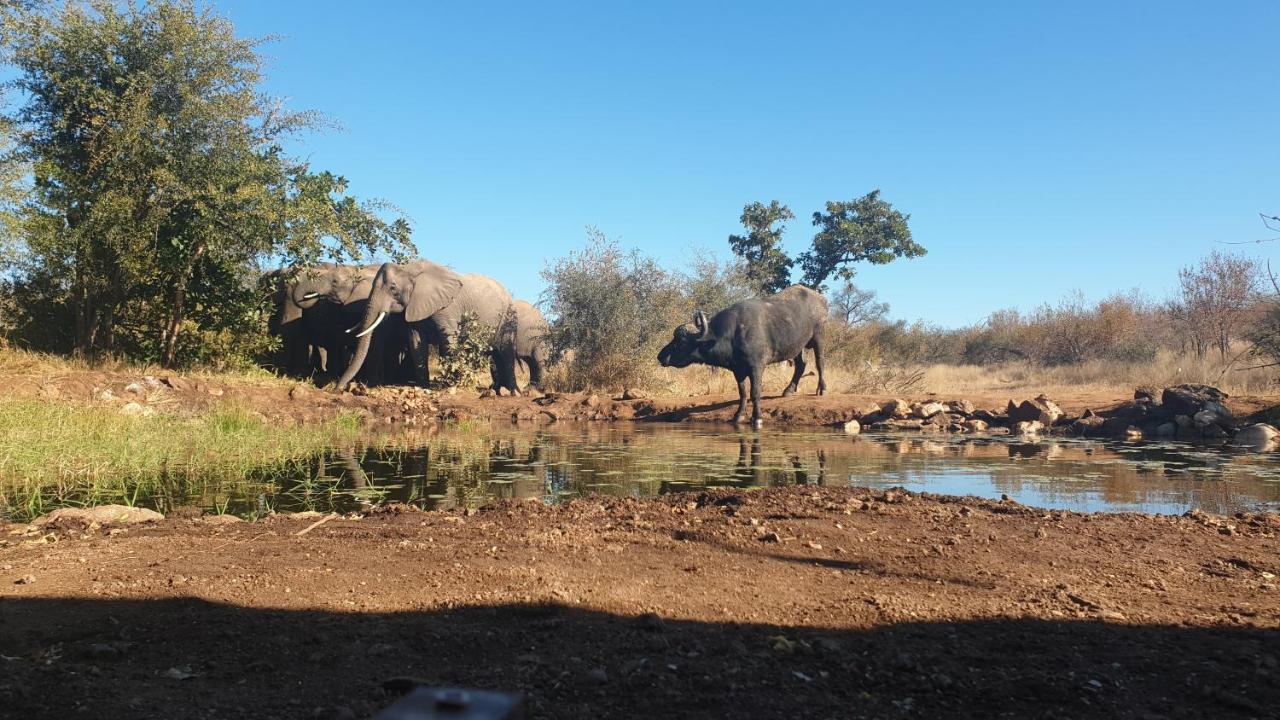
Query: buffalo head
{"type": "Point", "coordinates": [685, 346]}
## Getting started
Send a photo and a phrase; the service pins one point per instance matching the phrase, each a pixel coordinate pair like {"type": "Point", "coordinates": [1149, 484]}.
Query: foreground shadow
{"type": "Point", "coordinates": [195, 659]}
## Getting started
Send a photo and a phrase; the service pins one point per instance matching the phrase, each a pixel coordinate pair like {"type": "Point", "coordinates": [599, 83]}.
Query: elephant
{"type": "Point", "coordinates": [523, 338]}
{"type": "Point", "coordinates": [318, 305]}
{"type": "Point", "coordinates": [432, 299]}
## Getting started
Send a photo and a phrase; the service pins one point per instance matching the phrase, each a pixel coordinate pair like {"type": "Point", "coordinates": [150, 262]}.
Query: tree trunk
{"type": "Point", "coordinates": [178, 311]}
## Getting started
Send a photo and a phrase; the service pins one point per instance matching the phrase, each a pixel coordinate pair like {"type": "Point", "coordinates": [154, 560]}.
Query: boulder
{"type": "Point", "coordinates": [591, 401]}
{"type": "Point", "coordinates": [1167, 429]}
{"type": "Point", "coordinates": [1183, 422]}
{"type": "Point", "coordinates": [974, 425]}
{"type": "Point", "coordinates": [1147, 394]}
{"type": "Point", "coordinates": [1027, 427]}
{"type": "Point", "coordinates": [853, 427]}
{"type": "Point", "coordinates": [1090, 425]}
{"type": "Point", "coordinates": [896, 408]}
{"type": "Point", "coordinates": [989, 417]}
{"type": "Point", "coordinates": [133, 408]}
{"type": "Point", "coordinates": [1041, 409]}
{"type": "Point", "coordinates": [636, 394]}
{"type": "Point", "coordinates": [1257, 434]}
{"type": "Point", "coordinates": [1204, 419]}
{"type": "Point", "coordinates": [961, 407]}
{"type": "Point", "coordinates": [927, 410]}
{"type": "Point", "coordinates": [1190, 399]}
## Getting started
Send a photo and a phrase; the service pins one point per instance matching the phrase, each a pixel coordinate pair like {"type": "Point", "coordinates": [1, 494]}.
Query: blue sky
{"type": "Point", "coordinates": [1039, 147]}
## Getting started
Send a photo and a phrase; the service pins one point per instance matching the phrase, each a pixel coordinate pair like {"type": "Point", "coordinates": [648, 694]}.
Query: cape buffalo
{"type": "Point", "coordinates": [747, 336]}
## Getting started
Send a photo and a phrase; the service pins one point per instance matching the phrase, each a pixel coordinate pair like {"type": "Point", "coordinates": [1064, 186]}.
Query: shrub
{"type": "Point", "coordinates": [467, 364]}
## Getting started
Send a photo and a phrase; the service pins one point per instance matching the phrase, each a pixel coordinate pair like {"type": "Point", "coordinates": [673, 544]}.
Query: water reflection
{"type": "Point", "coordinates": [453, 468]}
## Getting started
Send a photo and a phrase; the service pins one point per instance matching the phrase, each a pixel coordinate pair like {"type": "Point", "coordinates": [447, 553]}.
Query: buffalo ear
{"type": "Point", "coordinates": [434, 286]}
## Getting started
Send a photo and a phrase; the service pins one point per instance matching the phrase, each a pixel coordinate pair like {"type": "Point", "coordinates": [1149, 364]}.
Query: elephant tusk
{"type": "Point", "coordinates": [381, 315]}
{"type": "Point", "coordinates": [311, 296]}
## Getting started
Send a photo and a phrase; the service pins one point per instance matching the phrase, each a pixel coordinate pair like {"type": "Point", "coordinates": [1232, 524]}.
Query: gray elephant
{"type": "Point", "coordinates": [318, 305]}
{"type": "Point", "coordinates": [433, 300]}
{"type": "Point", "coordinates": [523, 338]}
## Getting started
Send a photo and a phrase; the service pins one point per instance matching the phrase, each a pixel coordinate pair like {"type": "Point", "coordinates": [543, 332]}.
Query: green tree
{"type": "Point", "coordinates": [768, 267]}
{"type": "Point", "coordinates": [865, 229]}
{"type": "Point", "coordinates": [159, 170]}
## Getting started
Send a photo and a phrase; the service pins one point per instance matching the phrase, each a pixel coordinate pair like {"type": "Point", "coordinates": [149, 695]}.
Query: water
{"type": "Point", "coordinates": [469, 466]}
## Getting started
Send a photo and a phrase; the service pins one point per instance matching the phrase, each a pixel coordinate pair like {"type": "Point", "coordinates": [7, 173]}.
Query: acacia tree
{"type": "Point", "coordinates": [158, 168]}
{"type": "Point", "coordinates": [865, 229]}
{"type": "Point", "coordinates": [1216, 298]}
{"type": "Point", "coordinates": [856, 306]}
{"type": "Point", "coordinates": [768, 267]}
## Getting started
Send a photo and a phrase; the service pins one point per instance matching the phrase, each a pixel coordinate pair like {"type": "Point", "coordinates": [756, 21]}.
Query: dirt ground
{"type": "Point", "coordinates": [780, 603]}
{"type": "Point", "coordinates": [394, 407]}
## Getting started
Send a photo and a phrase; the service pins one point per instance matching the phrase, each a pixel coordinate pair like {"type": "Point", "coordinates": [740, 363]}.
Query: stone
{"type": "Point", "coordinates": [928, 410]}
{"type": "Point", "coordinates": [1166, 429]}
{"type": "Point", "coordinates": [1204, 419]}
{"type": "Point", "coordinates": [133, 408]}
{"type": "Point", "coordinates": [1183, 422]}
{"type": "Point", "coordinates": [636, 394]}
{"type": "Point", "coordinates": [101, 514]}
{"type": "Point", "coordinates": [175, 382]}
{"type": "Point", "coordinates": [298, 392]}
{"type": "Point", "coordinates": [592, 400]}
{"type": "Point", "coordinates": [962, 407]}
{"type": "Point", "coordinates": [1090, 425]}
{"type": "Point", "coordinates": [1147, 394]}
{"type": "Point", "coordinates": [1214, 431]}
{"type": "Point", "coordinates": [1027, 427]}
{"type": "Point", "coordinates": [1132, 433]}
{"type": "Point", "coordinates": [1257, 434]}
{"type": "Point", "coordinates": [974, 425]}
{"type": "Point", "coordinates": [1190, 399]}
{"type": "Point", "coordinates": [134, 388]}
{"type": "Point", "coordinates": [853, 427]}
{"type": "Point", "coordinates": [1041, 409]}
{"type": "Point", "coordinates": [896, 408]}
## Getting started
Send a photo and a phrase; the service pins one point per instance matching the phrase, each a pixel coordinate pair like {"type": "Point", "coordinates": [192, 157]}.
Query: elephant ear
{"type": "Point", "coordinates": [434, 286]}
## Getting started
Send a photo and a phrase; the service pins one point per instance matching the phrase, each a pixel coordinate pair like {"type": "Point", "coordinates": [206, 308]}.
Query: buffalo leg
{"type": "Point", "coordinates": [741, 377]}
{"type": "Point", "coordinates": [757, 375]}
{"type": "Point", "coordinates": [795, 377]}
{"type": "Point", "coordinates": [816, 344]}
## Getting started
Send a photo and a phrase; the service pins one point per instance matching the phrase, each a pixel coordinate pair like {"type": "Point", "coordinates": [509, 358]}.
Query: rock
{"type": "Point", "coordinates": [928, 410]}
{"type": "Point", "coordinates": [134, 388]}
{"type": "Point", "coordinates": [133, 408]}
{"type": "Point", "coordinates": [25, 580]}
{"type": "Point", "coordinates": [298, 392]}
{"type": "Point", "coordinates": [974, 425]}
{"type": "Point", "coordinates": [898, 425]}
{"type": "Point", "coordinates": [896, 408]}
{"type": "Point", "coordinates": [853, 427]}
{"type": "Point", "coordinates": [989, 417]}
{"type": "Point", "coordinates": [770, 537]}
{"type": "Point", "coordinates": [591, 401]}
{"type": "Point", "coordinates": [1183, 422]}
{"type": "Point", "coordinates": [636, 394]}
{"type": "Point", "coordinates": [176, 383]}
{"type": "Point", "coordinates": [1216, 432]}
{"type": "Point", "coordinates": [1147, 394]}
{"type": "Point", "coordinates": [1091, 425]}
{"type": "Point", "coordinates": [1132, 433]}
{"type": "Point", "coordinates": [1204, 419]}
{"type": "Point", "coordinates": [1259, 434]}
{"type": "Point", "coordinates": [221, 519]}
{"type": "Point", "coordinates": [962, 407]}
{"type": "Point", "coordinates": [1166, 429]}
{"type": "Point", "coordinates": [1027, 427]}
{"type": "Point", "coordinates": [1190, 399]}
{"type": "Point", "coordinates": [1041, 409]}
{"type": "Point", "coordinates": [102, 514]}
{"type": "Point", "coordinates": [598, 675]}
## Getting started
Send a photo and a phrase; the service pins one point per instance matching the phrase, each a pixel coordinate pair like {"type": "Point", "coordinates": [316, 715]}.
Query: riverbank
{"type": "Point", "coordinates": [795, 602]}
{"type": "Point", "coordinates": [25, 376]}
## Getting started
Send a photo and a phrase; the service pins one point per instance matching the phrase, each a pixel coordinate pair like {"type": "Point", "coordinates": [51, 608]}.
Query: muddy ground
{"type": "Point", "coordinates": [780, 603]}
{"type": "Point", "coordinates": [395, 407]}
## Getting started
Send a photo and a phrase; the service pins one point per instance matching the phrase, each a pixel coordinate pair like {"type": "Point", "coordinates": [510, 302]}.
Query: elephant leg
{"type": "Point", "coordinates": [535, 363]}
{"type": "Point", "coordinates": [504, 369]}
{"type": "Point", "coordinates": [418, 354]}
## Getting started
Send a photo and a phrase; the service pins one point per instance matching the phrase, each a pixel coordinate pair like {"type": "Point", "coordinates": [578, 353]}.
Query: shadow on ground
{"type": "Point", "coordinates": [86, 658]}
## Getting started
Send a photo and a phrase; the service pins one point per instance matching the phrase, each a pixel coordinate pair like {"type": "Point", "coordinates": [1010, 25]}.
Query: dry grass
{"type": "Point", "coordinates": [26, 364]}
{"type": "Point", "coordinates": [1014, 378]}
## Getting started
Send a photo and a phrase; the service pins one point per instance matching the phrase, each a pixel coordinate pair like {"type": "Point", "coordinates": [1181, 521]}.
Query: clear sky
{"type": "Point", "coordinates": [1039, 147]}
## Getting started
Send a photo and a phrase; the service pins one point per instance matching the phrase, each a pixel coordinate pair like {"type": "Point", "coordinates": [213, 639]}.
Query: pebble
{"type": "Point", "coordinates": [598, 675]}
{"type": "Point", "coordinates": [25, 580]}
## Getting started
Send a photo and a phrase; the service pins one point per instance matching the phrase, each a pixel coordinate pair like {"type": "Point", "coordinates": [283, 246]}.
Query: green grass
{"type": "Point", "coordinates": [60, 454]}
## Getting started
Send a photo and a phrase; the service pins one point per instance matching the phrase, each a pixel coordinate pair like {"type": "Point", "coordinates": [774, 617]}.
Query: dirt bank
{"type": "Point", "coordinates": [404, 406]}
{"type": "Point", "coordinates": [778, 603]}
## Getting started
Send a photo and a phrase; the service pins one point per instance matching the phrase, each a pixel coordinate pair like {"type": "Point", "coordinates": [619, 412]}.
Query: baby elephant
{"type": "Point", "coordinates": [747, 336]}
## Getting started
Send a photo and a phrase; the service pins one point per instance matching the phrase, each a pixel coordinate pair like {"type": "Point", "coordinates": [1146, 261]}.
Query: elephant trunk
{"type": "Point", "coordinates": [374, 313]}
